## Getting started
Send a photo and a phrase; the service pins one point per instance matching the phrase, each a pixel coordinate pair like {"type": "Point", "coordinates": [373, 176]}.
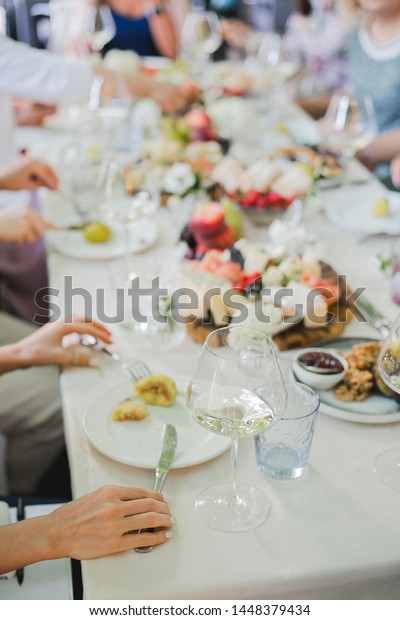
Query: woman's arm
{"type": "Point", "coordinates": [45, 346]}
{"type": "Point", "coordinates": [163, 28]}
{"type": "Point", "coordinates": [98, 524]}
{"type": "Point", "coordinates": [384, 148]}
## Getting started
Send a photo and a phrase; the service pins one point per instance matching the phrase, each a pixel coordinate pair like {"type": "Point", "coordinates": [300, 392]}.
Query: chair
{"type": "Point", "coordinates": [28, 21]}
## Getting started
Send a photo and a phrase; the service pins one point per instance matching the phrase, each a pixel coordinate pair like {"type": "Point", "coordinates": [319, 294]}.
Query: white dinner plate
{"type": "Point", "coordinates": [351, 208]}
{"type": "Point", "coordinates": [138, 442]}
{"type": "Point", "coordinates": [143, 234]}
{"type": "Point", "coordinates": [375, 409]}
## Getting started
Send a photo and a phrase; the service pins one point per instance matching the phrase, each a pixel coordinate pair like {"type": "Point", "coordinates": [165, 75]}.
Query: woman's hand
{"type": "Point", "coordinates": [45, 345]}
{"type": "Point", "coordinates": [234, 31]}
{"type": "Point", "coordinates": [98, 524]}
{"type": "Point", "coordinates": [395, 171]}
{"type": "Point", "coordinates": [32, 114]}
{"type": "Point", "coordinates": [169, 97]}
{"type": "Point", "coordinates": [28, 174]}
{"type": "Point", "coordinates": [107, 521]}
{"type": "Point", "coordinates": [22, 225]}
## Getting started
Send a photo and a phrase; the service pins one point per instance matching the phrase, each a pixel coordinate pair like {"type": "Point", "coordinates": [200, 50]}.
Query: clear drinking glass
{"type": "Point", "coordinates": [349, 124]}
{"type": "Point", "coordinates": [98, 26]}
{"type": "Point", "coordinates": [237, 390]}
{"type": "Point", "coordinates": [126, 204]}
{"type": "Point", "coordinates": [387, 464]}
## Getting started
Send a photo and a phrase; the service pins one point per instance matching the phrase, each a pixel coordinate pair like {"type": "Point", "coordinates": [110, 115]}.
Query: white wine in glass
{"type": "Point", "coordinates": [349, 124]}
{"type": "Point", "coordinates": [237, 391]}
{"type": "Point", "coordinates": [387, 464]}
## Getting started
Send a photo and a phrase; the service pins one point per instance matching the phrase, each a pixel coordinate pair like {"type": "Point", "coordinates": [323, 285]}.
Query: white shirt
{"type": "Point", "coordinates": [40, 76]}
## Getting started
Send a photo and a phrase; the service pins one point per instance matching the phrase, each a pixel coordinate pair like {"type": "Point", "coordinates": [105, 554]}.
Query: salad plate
{"type": "Point", "coordinates": [137, 443]}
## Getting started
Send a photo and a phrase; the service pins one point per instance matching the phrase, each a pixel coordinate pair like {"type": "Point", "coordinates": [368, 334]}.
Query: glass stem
{"type": "Point", "coordinates": [127, 243]}
{"type": "Point", "coordinates": [233, 498]}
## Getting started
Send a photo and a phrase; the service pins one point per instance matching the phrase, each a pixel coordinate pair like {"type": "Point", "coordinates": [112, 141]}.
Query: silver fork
{"type": "Point", "coordinates": [136, 368]}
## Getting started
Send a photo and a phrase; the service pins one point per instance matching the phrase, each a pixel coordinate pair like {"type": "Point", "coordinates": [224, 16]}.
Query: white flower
{"type": "Point", "coordinates": [146, 115]}
{"type": "Point", "coordinates": [291, 268]}
{"type": "Point", "coordinates": [272, 276]}
{"type": "Point", "coordinates": [123, 61]}
{"type": "Point", "coordinates": [232, 116]}
{"type": "Point", "coordinates": [179, 179]}
{"type": "Point", "coordinates": [282, 235]}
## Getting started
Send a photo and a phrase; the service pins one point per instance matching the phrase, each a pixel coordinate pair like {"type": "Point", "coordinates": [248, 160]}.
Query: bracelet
{"type": "Point", "coordinates": [157, 10]}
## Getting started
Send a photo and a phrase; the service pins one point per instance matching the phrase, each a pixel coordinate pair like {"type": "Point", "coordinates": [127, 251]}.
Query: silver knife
{"type": "Point", "coordinates": [168, 448]}
{"type": "Point", "coordinates": [381, 323]}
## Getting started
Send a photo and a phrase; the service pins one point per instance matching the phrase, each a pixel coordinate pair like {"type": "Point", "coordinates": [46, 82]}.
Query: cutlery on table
{"type": "Point", "coordinates": [168, 448]}
{"type": "Point", "coordinates": [375, 318]}
{"type": "Point", "coordinates": [377, 235]}
{"type": "Point", "coordinates": [136, 368]}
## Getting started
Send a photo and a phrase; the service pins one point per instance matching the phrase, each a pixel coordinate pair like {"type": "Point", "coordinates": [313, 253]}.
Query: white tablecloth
{"type": "Point", "coordinates": [333, 534]}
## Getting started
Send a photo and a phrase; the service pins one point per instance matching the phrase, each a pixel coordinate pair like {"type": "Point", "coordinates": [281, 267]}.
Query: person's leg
{"type": "Point", "coordinates": [30, 416]}
{"type": "Point", "coordinates": [23, 272]}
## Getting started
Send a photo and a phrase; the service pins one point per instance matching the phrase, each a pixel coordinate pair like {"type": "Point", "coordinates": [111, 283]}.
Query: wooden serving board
{"type": "Point", "coordinates": [297, 336]}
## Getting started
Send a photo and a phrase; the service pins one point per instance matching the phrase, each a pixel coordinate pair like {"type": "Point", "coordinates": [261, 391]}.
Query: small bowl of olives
{"type": "Point", "coordinates": [319, 368]}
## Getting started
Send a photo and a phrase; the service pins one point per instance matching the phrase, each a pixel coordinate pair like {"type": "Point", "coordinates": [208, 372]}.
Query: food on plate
{"type": "Point", "coordinates": [321, 359]}
{"type": "Point", "coordinates": [380, 207]}
{"type": "Point", "coordinates": [213, 225]}
{"type": "Point", "coordinates": [203, 156]}
{"type": "Point", "coordinates": [247, 283]}
{"type": "Point", "coordinates": [359, 380]}
{"type": "Point", "coordinates": [263, 176]}
{"type": "Point", "coordinates": [321, 369]}
{"type": "Point", "coordinates": [130, 410]}
{"type": "Point", "coordinates": [323, 164]}
{"type": "Point", "coordinates": [292, 182]}
{"type": "Point", "coordinates": [200, 125]}
{"type": "Point", "coordinates": [97, 232]}
{"type": "Point", "coordinates": [157, 390]}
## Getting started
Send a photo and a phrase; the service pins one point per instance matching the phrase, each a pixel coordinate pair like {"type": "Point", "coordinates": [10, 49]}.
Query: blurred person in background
{"type": "Point", "coordinates": [153, 27]}
{"type": "Point", "coordinates": [30, 403]}
{"type": "Point", "coordinates": [49, 79]}
{"type": "Point", "coordinates": [317, 37]}
{"type": "Point", "coordinates": [374, 71]}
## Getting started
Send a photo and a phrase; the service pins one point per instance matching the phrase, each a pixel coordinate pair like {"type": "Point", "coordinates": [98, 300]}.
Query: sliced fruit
{"type": "Point", "coordinates": [380, 207]}
{"type": "Point", "coordinates": [157, 390]}
{"type": "Point", "coordinates": [130, 410]}
{"type": "Point", "coordinates": [97, 232]}
{"type": "Point", "coordinates": [209, 219]}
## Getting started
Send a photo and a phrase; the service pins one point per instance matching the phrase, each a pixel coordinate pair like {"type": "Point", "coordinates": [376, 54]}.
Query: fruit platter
{"type": "Point", "coordinates": [263, 191]}
{"type": "Point", "coordinates": [297, 299]}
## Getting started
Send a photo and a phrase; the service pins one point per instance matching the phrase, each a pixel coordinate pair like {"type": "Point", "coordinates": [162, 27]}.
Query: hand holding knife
{"type": "Point", "coordinates": [168, 448]}
{"type": "Point", "coordinates": [20, 517]}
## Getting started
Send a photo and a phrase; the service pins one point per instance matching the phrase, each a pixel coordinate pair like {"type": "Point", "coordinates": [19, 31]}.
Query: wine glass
{"type": "Point", "coordinates": [237, 390]}
{"type": "Point", "coordinates": [349, 124]}
{"type": "Point", "coordinates": [274, 59]}
{"type": "Point", "coordinates": [387, 464]}
{"type": "Point", "coordinates": [98, 26]}
{"type": "Point", "coordinates": [125, 195]}
{"type": "Point", "coordinates": [200, 37]}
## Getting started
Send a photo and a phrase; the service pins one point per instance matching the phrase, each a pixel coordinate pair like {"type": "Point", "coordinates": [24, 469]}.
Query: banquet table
{"type": "Point", "coordinates": [332, 534]}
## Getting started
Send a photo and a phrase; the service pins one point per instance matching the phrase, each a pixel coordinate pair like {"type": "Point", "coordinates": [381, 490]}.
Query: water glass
{"type": "Point", "coordinates": [284, 450]}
